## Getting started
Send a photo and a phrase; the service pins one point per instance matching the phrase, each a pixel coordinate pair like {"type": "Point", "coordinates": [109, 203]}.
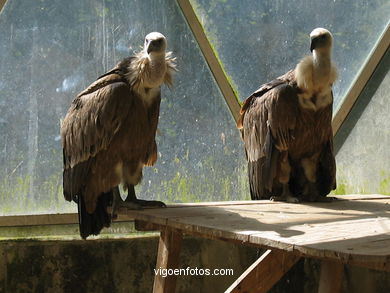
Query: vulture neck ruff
{"type": "Point", "coordinates": [147, 72]}
{"type": "Point", "coordinates": [315, 76]}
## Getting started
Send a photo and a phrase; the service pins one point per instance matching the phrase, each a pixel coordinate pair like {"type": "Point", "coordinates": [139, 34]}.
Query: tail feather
{"type": "Point", "coordinates": [255, 178]}
{"type": "Point", "coordinates": [271, 161]}
{"type": "Point", "coordinates": [263, 171]}
{"type": "Point", "coordinates": [92, 224]}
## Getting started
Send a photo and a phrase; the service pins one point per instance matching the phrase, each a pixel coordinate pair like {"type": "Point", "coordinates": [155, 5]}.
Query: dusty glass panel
{"type": "Point", "coordinates": [51, 50]}
{"type": "Point", "coordinates": [260, 40]}
{"type": "Point", "coordinates": [363, 161]}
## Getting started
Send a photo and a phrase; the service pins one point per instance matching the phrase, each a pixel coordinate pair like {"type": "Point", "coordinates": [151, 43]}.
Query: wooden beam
{"type": "Point", "coordinates": [2, 3]}
{"type": "Point", "coordinates": [331, 277]}
{"type": "Point", "coordinates": [124, 215]}
{"type": "Point", "coordinates": [167, 259]}
{"type": "Point", "coordinates": [38, 220]}
{"type": "Point", "coordinates": [263, 274]}
{"type": "Point", "coordinates": [211, 59]}
{"type": "Point", "coordinates": [361, 79]}
{"type": "Point", "coordinates": [49, 219]}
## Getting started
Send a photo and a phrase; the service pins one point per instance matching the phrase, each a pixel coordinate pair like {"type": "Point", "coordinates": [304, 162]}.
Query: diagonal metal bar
{"type": "Point", "coordinates": [212, 60]}
{"type": "Point", "coordinates": [361, 79]}
{"type": "Point", "coordinates": [2, 3]}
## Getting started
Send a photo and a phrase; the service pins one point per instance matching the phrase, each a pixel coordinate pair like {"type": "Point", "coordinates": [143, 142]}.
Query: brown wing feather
{"type": "Point", "coordinates": [327, 162]}
{"type": "Point", "coordinates": [326, 173]}
{"type": "Point", "coordinates": [93, 119]}
{"type": "Point", "coordinates": [287, 78]}
{"type": "Point", "coordinates": [267, 128]}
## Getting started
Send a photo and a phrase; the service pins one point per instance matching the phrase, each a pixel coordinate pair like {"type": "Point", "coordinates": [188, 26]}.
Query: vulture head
{"type": "Point", "coordinates": [321, 40]}
{"type": "Point", "coordinates": [155, 43]}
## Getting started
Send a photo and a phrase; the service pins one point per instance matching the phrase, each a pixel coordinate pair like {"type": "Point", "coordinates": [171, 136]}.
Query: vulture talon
{"type": "Point", "coordinates": [149, 203]}
{"type": "Point", "coordinates": [286, 198]}
{"type": "Point", "coordinates": [325, 199]}
{"type": "Point", "coordinates": [130, 205]}
{"type": "Point", "coordinates": [132, 199]}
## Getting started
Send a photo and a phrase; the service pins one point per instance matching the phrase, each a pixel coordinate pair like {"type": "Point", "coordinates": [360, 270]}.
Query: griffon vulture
{"type": "Point", "coordinates": [287, 132]}
{"type": "Point", "coordinates": [108, 134]}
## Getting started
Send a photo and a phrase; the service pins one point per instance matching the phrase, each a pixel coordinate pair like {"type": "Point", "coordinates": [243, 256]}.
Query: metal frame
{"type": "Point", "coordinates": [2, 3]}
{"type": "Point", "coordinates": [211, 58]}
{"type": "Point", "coordinates": [231, 99]}
{"type": "Point", "coordinates": [361, 79]}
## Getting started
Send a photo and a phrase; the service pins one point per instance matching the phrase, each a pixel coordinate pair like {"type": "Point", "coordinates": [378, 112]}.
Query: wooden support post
{"type": "Point", "coordinates": [167, 258]}
{"type": "Point", "coordinates": [263, 274]}
{"type": "Point", "coordinates": [331, 277]}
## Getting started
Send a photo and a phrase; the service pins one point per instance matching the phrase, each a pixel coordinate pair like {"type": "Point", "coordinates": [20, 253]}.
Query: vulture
{"type": "Point", "coordinates": [108, 135]}
{"type": "Point", "coordinates": [287, 132]}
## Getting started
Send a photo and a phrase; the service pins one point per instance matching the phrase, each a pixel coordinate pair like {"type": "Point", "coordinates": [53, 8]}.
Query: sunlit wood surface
{"type": "Point", "coordinates": [354, 229]}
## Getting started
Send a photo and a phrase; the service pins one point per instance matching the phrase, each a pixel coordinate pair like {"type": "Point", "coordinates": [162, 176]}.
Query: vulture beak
{"type": "Point", "coordinates": [313, 44]}
{"type": "Point", "coordinates": [155, 45]}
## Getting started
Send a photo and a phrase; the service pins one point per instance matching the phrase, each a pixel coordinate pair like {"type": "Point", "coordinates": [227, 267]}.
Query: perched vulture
{"type": "Point", "coordinates": [287, 132]}
{"type": "Point", "coordinates": [108, 134]}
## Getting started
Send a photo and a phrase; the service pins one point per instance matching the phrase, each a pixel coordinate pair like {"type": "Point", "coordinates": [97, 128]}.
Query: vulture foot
{"type": "Point", "coordinates": [123, 204]}
{"type": "Point", "coordinates": [325, 199]}
{"type": "Point", "coordinates": [132, 198]}
{"type": "Point", "coordinates": [286, 198]}
{"type": "Point", "coordinates": [147, 203]}
{"type": "Point", "coordinates": [118, 203]}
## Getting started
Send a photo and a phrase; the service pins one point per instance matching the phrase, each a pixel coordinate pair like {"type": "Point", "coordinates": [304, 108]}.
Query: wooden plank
{"type": "Point", "coordinates": [360, 196]}
{"type": "Point", "coordinates": [167, 258]}
{"type": "Point", "coordinates": [354, 231]}
{"type": "Point", "coordinates": [286, 215]}
{"type": "Point", "coordinates": [279, 211]}
{"type": "Point", "coordinates": [266, 201]}
{"type": "Point", "coordinates": [37, 220]}
{"type": "Point", "coordinates": [125, 215]}
{"type": "Point", "coordinates": [264, 273]}
{"type": "Point", "coordinates": [331, 277]}
{"type": "Point", "coordinates": [49, 219]}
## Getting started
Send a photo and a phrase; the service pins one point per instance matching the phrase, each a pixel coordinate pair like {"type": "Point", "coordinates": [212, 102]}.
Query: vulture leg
{"type": "Point", "coordinates": [117, 202]}
{"type": "Point", "coordinates": [286, 195]}
{"type": "Point", "coordinates": [132, 199]}
{"type": "Point", "coordinates": [284, 178]}
{"type": "Point", "coordinates": [309, 166]}
{"type": "Point", "coordinates": [311, 191]}
{"type": "Point", "coordinates": [311, 194]}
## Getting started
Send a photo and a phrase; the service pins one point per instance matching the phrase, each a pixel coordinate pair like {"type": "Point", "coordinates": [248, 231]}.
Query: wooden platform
{"type": "Point", "coordinates": [352, 230]}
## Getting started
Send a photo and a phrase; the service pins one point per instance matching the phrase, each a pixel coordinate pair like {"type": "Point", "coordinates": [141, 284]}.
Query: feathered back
{"type": "Point", "coordinates": [287, 78]}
